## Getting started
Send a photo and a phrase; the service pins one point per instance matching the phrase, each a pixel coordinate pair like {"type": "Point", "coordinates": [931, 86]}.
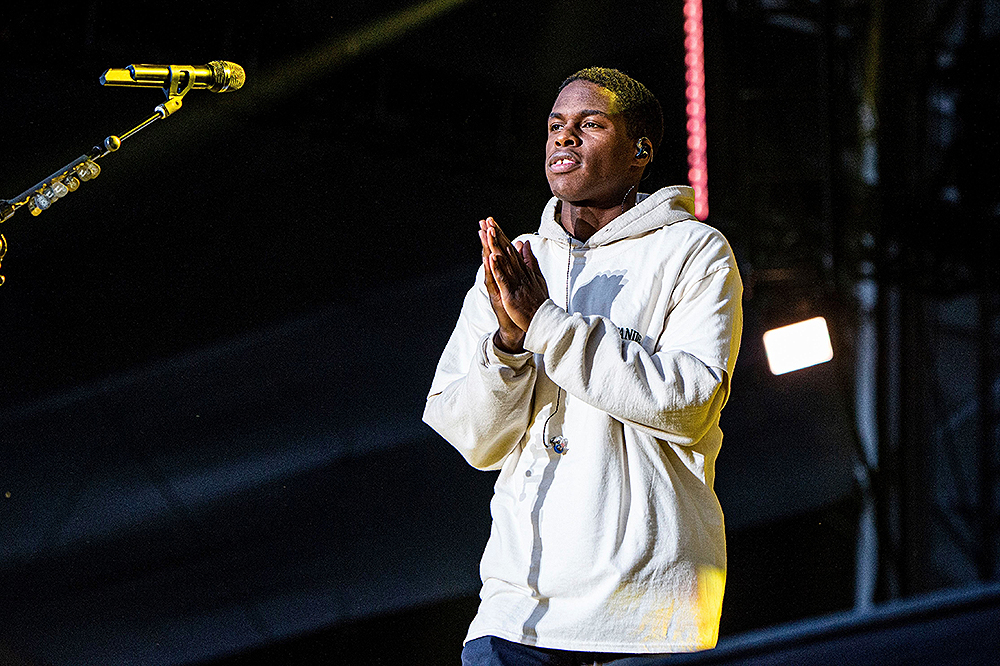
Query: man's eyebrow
{"type": "Point", "coordinates": [585, 112]}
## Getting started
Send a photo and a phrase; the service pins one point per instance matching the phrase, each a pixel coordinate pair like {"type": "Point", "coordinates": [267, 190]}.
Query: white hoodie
{"type": "Point", "coordinates": [616, 544]}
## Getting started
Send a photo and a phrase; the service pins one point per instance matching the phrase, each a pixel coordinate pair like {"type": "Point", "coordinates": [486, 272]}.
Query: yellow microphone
{"type": "Point", "coordinates": [216, 76]}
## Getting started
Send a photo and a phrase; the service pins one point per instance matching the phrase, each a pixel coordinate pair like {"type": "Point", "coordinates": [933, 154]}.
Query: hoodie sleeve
{"type": "Point", "coordinates": [675, 393]}
{"type": "Point", "coordinates": [480, 399]}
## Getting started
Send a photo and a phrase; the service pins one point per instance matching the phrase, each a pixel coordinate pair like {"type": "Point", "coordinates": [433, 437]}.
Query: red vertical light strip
{"type": "Point", "coordinates": [694, 60]}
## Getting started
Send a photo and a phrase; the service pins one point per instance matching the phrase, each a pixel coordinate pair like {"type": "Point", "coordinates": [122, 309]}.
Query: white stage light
{"type": "Point", "coordinates": [798, 345]}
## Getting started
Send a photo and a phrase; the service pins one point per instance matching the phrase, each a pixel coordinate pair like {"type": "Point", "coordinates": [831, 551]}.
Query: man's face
{"type": "Point", "coordinates": [589, 158]}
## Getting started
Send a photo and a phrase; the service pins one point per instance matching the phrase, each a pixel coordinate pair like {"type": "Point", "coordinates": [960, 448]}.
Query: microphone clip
{"type": "Point", "coordinates": [180, 83]}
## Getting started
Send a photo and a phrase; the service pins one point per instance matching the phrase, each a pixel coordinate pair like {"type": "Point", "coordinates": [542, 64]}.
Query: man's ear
{"type": "Point", "coordinates": [644, 149]}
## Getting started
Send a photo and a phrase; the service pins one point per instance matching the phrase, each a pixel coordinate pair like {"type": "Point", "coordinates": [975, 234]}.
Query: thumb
{"type": "Point", "coordinates": [529, 257]}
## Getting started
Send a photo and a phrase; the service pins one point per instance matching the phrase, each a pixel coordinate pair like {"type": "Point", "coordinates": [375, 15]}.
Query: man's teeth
{"type": "Point", "coordinates": [564, 160]}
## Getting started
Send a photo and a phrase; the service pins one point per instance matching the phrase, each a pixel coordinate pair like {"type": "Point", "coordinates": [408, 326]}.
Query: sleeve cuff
{"type": "Point", "coordinates": [547, 319]}
{"type": "Point", "coordinates": [493, 356]}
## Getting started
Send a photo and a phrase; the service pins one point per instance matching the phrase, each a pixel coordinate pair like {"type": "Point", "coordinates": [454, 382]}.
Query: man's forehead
{"type": "Point", "coordinates": [580, 112]}
{"type": "Point", "coordinates": [581, 96]}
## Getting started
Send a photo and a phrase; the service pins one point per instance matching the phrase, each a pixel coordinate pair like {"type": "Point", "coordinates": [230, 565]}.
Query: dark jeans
{"type": "Point", "coordinates": [492, 651]}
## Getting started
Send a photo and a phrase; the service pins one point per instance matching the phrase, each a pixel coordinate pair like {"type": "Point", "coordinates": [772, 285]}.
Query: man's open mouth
{"type": "Point", "coordinates": [563, 163]}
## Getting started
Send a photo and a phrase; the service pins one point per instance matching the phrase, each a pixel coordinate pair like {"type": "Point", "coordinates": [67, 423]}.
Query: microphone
{"type": "Point", "coordinates": [216, 76]}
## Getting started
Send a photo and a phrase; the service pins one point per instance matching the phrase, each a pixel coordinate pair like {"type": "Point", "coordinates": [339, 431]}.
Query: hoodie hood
{"type": "Point", "coordinates": [653, 211]}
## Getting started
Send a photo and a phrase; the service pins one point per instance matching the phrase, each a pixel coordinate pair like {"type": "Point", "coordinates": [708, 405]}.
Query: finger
{"type": "Point", "coordinates": [499, 245]}
{"type": "Point", "coordinates": [498, 262]}
{"type": "Point", "coordinates": [511, 254]}
{"type": "Point", "coordinates": [496, 238]}
{"type": "Point", "coordinates": [484, 238]}
{"type": "Point", "coordinates": [493, 223]}
{"type": "Point", "coordinates": [529, 257]}
{"type": "Point", "coordinates": [502, 239]}
{"type": "Point", "coordinates": [496, 304]}
{"type": "Point", "coordinates": [511, 291]}
{"type": "Point", "coordinates": [497, 280]}
{"type": "Point", "coordinates": [488, 277]}
{"type": "Point", "coordinates": [500, 268]}
{"type": "Point", "coordinates": [485, 242]}
{"type": "Point", "coordinates": [492, 290]}
{"type": "Point", "coordinates": [512, 271]}
{"type": "Point", "coordinates": [517, 251]}
{"type": "Point", "coordinates": [533, 271]}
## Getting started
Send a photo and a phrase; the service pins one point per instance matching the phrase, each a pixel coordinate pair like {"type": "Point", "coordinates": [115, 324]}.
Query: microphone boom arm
{"type": "Point", "coordinates": [67, 179]}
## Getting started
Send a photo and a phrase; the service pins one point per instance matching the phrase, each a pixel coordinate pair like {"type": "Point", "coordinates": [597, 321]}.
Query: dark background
{"type": "Point", "coordinates": [215, 354]}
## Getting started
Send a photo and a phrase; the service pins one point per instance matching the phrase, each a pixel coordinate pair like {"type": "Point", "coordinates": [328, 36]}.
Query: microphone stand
{"type": "Point", "coordinates": [44, 193]}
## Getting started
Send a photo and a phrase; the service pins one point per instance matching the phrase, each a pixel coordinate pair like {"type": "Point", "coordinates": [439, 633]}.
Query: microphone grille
{"type": "Point", "coordinates": [228, 76]}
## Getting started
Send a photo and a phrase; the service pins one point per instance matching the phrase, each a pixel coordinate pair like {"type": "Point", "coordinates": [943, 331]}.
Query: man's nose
{"type": "Point", "coordinates": [567, 137]}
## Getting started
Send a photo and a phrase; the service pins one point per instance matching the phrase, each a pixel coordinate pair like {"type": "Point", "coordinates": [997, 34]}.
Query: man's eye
{"type": "Point", "coordinates": [555, 127]}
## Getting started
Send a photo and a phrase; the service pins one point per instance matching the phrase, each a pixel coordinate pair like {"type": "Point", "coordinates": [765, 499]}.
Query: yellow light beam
{"type": "Point", "coordinates": [297, 71]}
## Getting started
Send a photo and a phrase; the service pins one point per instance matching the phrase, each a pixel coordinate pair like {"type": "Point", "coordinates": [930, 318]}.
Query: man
{"type": "Point", "coordinates": [589, 365]}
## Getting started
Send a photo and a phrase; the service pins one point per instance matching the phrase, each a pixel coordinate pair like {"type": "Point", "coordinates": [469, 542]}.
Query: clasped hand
{"type": "Point", "coordinates": [514, 283]}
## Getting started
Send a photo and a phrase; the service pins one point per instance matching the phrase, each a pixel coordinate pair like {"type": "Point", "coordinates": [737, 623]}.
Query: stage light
{"type": "Point", "coordinates": [694, 60]}
{"type": "Point", "coordinates": [798, 346]}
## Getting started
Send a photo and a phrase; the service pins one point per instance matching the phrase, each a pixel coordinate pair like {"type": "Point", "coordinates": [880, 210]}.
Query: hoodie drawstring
{"type": "Point", "coordinates": [559, 443]}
